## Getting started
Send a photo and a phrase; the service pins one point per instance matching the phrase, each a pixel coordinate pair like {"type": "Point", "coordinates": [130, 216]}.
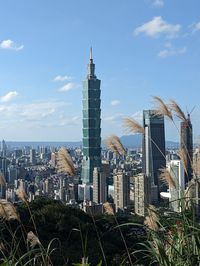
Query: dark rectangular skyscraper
{"type": "Point", "coordinates": [187, 146]}
{"type": "Point", "coordinates": [153, 152]}
{"type": "Point", "coordinates": [91, 124]}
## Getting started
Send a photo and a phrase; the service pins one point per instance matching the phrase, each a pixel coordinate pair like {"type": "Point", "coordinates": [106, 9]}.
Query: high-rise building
{"type": "Point", "coordinates": [3, 148]}
{"type": "Point", "coordinates": [100, 176]}
{"type": "Point", "coordinates": [141, 196]}
{"type": "Point", "coordinates": [32, 156]}
{"type": "Point", "coordinates": [176, 169]}
{"type": "Point", "coordinates": [154, 152]}
{"type": "Point", "coordinates": [4, 163]}
{"type": "Point", "coordinates": [91, 124]}
{"type": "Point", "coordinates": [187, 146]}
{"type": "Point", "coordinates": [2, 191]}
{"type": "Point", "coordinates": [121, 191]}
{"type": "Point", "coordinates": [54, 159]}
{"type": "Point", "coordinates": [12, 174]}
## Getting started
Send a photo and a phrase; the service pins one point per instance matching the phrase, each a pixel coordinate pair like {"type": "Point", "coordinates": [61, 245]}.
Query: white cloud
{"type": "Point", "coordinates": [38, 111]}
{"type": "Point", "coordinates": [114, 118]}
{"type": "Point", "coordinates": [69, 86]}
{"type": "Point", "coordinates": [62, 78]}
{"type": "Point", "coordinates": [115, 102]}
{"type": "Point", "coordinates": [9, 96]}
{"type": "Point", "coordinates": [196, 27]}
{"type": "Point", "coordinates": [171, 51]}
{"type": "Point", "coordinates": [158, 3]}
{"type": "Point", "coordinates": [39, 120]}
{"type": "Point", "coordinates": [158, 26]}
{"type": "Point", "coordinates": [10, 45]}
{"type": "Point", "coordinates": [72, 121]}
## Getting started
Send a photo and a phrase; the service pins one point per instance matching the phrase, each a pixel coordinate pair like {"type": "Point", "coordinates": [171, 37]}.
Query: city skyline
{"type": "Point", "coordinates": [44, 50]}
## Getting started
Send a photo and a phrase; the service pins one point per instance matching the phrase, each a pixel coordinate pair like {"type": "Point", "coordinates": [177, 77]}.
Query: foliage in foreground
{"type": "Point", "coordinates": [64, 235]}
{"type": "Point", "coordinates": [173, 238]}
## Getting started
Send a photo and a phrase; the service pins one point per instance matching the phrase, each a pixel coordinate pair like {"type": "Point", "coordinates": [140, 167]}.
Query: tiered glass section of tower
{"type": "Point", "coordinates": [91, 124]}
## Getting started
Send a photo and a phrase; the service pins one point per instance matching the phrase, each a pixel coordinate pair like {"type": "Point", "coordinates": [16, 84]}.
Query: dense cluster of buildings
{"type": "Point", "coordinates": [130, 182]}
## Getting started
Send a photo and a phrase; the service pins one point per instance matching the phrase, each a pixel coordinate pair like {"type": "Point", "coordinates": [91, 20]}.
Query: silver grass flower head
{"type": "Point", "coordinates": [108, 208]}
{"type": "Point", "coordinates": [32, 239]}
{"type": "Point", "coordinates": [177, 110]}
{"type": "Point", "coordinates": [114, 144]}
{"type": "Point", "coordinates": [65, 162]}
{"type": "Point", "coordinates": [167, 178]}
{"type": "Point", "coordinates": [162, 108]}
{"type": "Point", "coordinates": [8, 211]}
{"type": "Point", "coordinates": [22, 195]}
{"type": "Point", "coordinates": [151, 224]}
{"type": "Point", "coordinates": [152, 220]}
{"type": "Point", "coordinates": [133, 126]}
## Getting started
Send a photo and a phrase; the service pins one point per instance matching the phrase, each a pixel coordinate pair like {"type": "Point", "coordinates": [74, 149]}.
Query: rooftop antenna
{"type": "Point", "coordinates": [91, 54]}
{"type": "Point", "coordinates": [189, 113]}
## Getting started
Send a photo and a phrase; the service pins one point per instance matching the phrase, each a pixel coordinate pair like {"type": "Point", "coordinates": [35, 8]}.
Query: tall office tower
{"type": "Point", "coordinates": [187, 146]}
{"type": "Point", "coordinates": [32, 156]}
{"type": "Point", "coordinates": [12, 174]}
{"type": "Point", "coordinates": [53, 159]}
{"type": "Point", "coordinates": [141, 196]}
{"type": "Point", "coordinates": [4, 163]}
{"type": "Point", "coordinates": [121, 191]}
{"type": "Point", "coordinates": [17, 154]}
{"type": "Point", "coordinates": [100, 176]}
{"type": "Point", "coordinates": [3, 148]}
{"type": "Point", "coordinates": [2, 191]}
{"type": "Point", "coordinates": [91, 124]}
{"type": "Point", "coordinates": [154, 152]}
{"type": "Point", "coordinates": [48, 187]}
{"type": "Point", "coordinates": [176, 169]}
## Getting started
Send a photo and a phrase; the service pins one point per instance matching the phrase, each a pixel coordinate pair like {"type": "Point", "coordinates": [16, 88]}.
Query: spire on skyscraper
{"type": "Point", "coordinates": [91, 59]}
{"type": "Point", "coordinates": [91, 67]}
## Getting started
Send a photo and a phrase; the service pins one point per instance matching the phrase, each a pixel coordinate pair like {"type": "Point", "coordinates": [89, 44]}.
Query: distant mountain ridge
{"type": "Point", "coordinates": [129, 141]}
{"type": "Point", "coordinates": [135, 141]}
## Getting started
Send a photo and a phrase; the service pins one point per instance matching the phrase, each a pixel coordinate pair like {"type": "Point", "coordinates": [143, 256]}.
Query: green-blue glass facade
{"type": "Point", "coordinates": [91, 124]}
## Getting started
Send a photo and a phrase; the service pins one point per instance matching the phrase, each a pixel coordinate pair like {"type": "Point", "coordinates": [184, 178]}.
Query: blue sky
{"type": "Point", "coordinates": [140, 47]}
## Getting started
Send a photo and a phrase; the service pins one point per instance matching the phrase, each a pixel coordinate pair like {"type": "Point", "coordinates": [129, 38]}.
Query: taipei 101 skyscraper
{"type": "Point", "coordinates": [91, 124]}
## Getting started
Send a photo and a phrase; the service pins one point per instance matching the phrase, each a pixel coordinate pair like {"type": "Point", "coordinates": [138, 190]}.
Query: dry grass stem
{"type": "Point", "coordinates": [178, 111]}
{"type": "Point", "coordinates": [84, 261]}
{"type": "Point", "coordinates": [22, 195]}
{"type": "Point", "coordinates": [32, 239]}
{"type": "Point", "coordinates": [184, 158]}
{"type": "Point", "coordinates": [191, 188]}
{"type": "Point", "coordinates": [65, 162]}
{"type": "Point", "coordinates": [2, 180]}
{"type": "Point", "coordinates": [114, 144]}
{"type": "Point", "coordinates": [167, 178]}
{"type": "Point", "coordinates": [108, 208]}
{"type": "Point", "coordinates": [2, 247]}
{"type": "Point", "coordinates": [163, 109]}
{"type": "Point", "coordinates": [133, 126]}
{"type": "Point", "coordinates": [8, 210]}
